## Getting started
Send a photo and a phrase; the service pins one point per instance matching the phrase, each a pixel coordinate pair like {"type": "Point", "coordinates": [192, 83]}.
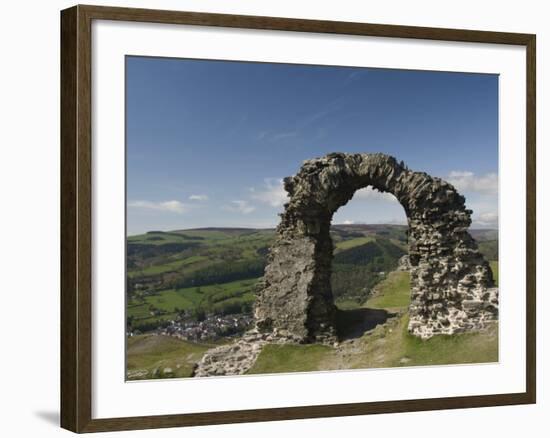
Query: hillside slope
{"type": "Point", "coordinates": [386, 345]}
{"type": "Point", "coordinates": [191, 289]}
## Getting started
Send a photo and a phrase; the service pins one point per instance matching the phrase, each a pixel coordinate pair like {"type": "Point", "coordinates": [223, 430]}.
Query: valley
{"type": "Point", "coordinates": [189, 290]}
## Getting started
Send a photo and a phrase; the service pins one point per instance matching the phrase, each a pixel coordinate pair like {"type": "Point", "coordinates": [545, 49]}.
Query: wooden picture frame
{"type": "Point", "coordinates": [76, 217]}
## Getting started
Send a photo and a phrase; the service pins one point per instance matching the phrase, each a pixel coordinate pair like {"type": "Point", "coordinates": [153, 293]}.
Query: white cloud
{"type": "Point", "coordinates": [371, 193]}
{"type": "Point", "coordinates": [169, 206]}
{"type": "Point", "coordinates": [487, 219]}
{"type": "Point", "coordinates": [240, 206]}
{"type": "Point", "coordinates": [466, 181]}
{"type": "Point", "coordinates": [198, 198]}
{"type": "Point", "coordinates": [272, 193]}
{"type": "Point", "coordinates": [348, 222]}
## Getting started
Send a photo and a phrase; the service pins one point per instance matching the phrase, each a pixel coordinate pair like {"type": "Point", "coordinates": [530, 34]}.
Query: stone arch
{"type": "Point", "coordinates": [452, 287]}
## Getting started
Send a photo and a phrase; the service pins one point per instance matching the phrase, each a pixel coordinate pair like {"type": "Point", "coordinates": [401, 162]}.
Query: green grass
{"type": "Point", "coordinates": [394, 292]}
{"type": "Point", "coordinates": [489, 249]}
{"type": "Point", "coordinates": [170, 299]}
{"type": "Point", "coordinates": [346, 304]}
{"type": "Point", "coordinates": [227, 234]}
{"type": "Point", "coordinates": [393, 346]}
{"type": "Point", "coordinates": [150, 357]}
{"type": "Point", "coordinates": [138, 310]}
{"type": "Point", "coordinates": [211, 298]}
{"type": "Point", "coordinates": [401, 244]}
{"type": "Point", "coordinates": [388, 345]}
{"type": "Point", "coordinates": [169, 267]}
{"type": "Point", "coordinates": [351, 243]}
{"type": "Point", "coordinates": [384, 347]}
{"type": "Point", "coordinates": [290, 358]}
{"type": "Point", "coordinates": [158, 238]}
{"type": "Point", "coordinates": [451, 349]}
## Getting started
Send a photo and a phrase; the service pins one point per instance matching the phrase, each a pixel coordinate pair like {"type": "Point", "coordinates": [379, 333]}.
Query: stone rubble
{"type": "Point", "coordinates": [238, 357]}
{"type": "Point", "coordinates": [404, 264]}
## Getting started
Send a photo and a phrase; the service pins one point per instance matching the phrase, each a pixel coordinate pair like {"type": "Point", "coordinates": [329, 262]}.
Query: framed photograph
{"type": "Point", "coordinates": [270, 218]}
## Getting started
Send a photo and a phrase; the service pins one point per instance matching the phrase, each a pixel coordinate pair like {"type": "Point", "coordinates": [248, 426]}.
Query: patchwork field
{"type": "Point", "coordinates": [215, 270]}
{"type": "Point", "coordinates": [175, 278]}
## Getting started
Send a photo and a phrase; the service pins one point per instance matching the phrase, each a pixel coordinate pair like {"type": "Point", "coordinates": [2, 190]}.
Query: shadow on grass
{"type": "Point", "coordinates": [353, 323]}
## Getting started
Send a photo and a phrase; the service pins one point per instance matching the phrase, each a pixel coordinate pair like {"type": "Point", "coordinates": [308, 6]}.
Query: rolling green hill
{"type": "Point", "coordinates": [189, 274]}
{"type": "Point", "coordinates": [214, 270]}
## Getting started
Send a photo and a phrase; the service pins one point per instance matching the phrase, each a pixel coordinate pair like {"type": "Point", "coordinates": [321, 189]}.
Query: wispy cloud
{"type": "Point", "coordinates": [200, 198]}
{"type": "Point", "coordinates": [261, 135]}
{"type": "Point", "coordinates": [168, 206]}
{"type": "Point", "coordinates": [271, 193]}
{"type": "Point", "coordinates": [328, 109]}
{"type": "Point", "coordinates": [283, 135]}
{"type": "Point", "coordinates": [271, 136]}
{"type": "Point", "coordinates": [371, 193]}
{"type": "Point", "coordinates": [389, 221]}
{"type": "Point", "coordinates": [355, 75]}
{"type": "Point", "coordinates": [297, 127]}
{"type": "Point", "coordinates": [240, 206]}
{"type": "Point", "coordinates": [466, 181]}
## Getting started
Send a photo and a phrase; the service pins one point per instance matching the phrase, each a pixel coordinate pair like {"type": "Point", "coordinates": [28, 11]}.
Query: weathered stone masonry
{"type": "Point", "coordinates": [452, 288]}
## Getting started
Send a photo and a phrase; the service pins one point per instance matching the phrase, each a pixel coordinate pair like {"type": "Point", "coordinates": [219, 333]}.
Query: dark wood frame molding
{"type": "Point", "coordinates": [76, 173]}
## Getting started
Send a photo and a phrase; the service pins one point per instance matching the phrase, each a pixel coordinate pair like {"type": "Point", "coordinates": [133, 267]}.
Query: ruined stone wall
{"type": "Point", "coordinates": [452, 288]}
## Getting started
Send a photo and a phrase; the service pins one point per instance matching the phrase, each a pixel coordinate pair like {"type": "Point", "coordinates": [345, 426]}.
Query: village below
{"type": "Point", "coordinates": [193, 291]}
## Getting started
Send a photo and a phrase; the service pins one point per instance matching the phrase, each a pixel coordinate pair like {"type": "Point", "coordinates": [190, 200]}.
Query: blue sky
{"type": "Point", "coordinates": [208, 142]}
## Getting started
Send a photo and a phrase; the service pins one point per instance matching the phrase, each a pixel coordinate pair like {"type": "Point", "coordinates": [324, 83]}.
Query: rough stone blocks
{"type": "Point", "coordinates": [452, 288]}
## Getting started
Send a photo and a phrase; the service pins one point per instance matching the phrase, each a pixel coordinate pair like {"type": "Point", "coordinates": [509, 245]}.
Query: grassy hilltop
{"type": "Point", "coordinates": [206, 273]}
{"type": "Point", "coordinates": [388, 345]}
